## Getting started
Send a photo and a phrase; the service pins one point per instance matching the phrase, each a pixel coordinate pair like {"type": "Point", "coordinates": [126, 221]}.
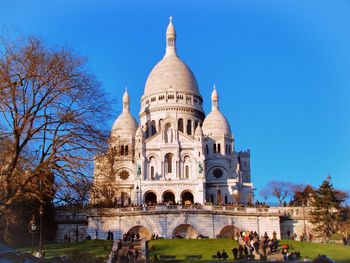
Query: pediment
{"type": "Point", "coordinates": [155, 139]}
{"type": "Point", "coordinates": [184, 139]}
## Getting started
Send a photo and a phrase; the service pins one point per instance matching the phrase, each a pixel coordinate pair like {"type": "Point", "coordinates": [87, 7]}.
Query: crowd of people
{"type": "Point", "coordinates": [131, 237]}
{"type": "Point", "coordinates": [251, 246]}
{"type": "Point", "coordinates": [126, 250]}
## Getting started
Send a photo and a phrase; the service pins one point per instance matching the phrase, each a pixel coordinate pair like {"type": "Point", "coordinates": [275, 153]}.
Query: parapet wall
{"type": "Point", "coordinates": [168, 221]}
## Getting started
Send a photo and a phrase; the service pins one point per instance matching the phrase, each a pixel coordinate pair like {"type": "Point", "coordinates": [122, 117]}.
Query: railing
{"type": "Point", "coordinates": [198, 207]}
{"type": "Point", "coordinates": [282, 211]}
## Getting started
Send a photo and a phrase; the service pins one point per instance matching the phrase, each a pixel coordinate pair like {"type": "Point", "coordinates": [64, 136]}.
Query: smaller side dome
{"type": "Point", "coordinates": [216, 123]}
{"type": "Point", "coordinates": [125, 124]}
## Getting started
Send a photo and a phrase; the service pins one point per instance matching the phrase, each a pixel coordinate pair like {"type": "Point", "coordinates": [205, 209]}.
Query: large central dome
{"type": "Point", "coordinates": [171, 73]}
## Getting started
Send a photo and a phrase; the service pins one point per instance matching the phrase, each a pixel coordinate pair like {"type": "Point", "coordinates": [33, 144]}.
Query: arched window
{"type": "Point", "coordinates": [180, 125]}
{"type": "Point", "coordinates": [152, 168]}
{"type": "Point", "coordinates": [187, 172]}
{"type": "Point", "coordinates": [187, 167]}
{"type": "Point", "coordinates": [153, 127]}
{"type": "Point", "coordinates": [147, 130]}
{"type": "Point", "coordinates": [214, 148]}
{"type": "Point", "coordinates": [122, 150]}
{"type": "Point", "coordinates": [189, 127]}
{"type": "Point", "coordinates": [168, 163]}
{"type": "Point", "coordinates": [152, 172]}
{"type": "Point", "coordinates": [207, 148]}
{"type": "Point", "coordinates": [126, 150]}
{"type": "Point", "coordinates": [219, 148]}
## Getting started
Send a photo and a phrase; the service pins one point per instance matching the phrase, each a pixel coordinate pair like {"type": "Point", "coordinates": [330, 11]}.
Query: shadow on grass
{"type": "Point", "coordinates": [98, 248]}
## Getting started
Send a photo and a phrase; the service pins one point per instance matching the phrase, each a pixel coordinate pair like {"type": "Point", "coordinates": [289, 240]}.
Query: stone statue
{"type": "Point", "coordinates": [200, 167]}
{"type": "Point", "coordinates": [138, 170]}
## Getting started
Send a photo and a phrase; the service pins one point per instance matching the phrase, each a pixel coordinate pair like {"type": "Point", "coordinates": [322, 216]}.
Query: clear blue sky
{"type": "Point", "coordinates": [281, 68]}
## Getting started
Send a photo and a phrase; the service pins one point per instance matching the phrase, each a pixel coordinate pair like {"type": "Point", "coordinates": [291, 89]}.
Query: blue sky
{"type": "Point", "coordinates": [281, 68]}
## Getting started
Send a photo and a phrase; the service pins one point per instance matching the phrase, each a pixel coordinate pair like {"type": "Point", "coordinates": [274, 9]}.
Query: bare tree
{"type": "Point", "coordinates": [52, 112]}
{"type": "Point", "coordinates": [279, 189]}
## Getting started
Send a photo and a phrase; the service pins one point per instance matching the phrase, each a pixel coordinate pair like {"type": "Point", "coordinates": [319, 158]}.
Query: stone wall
{"type": "Point", "coordinates": [166, 221]}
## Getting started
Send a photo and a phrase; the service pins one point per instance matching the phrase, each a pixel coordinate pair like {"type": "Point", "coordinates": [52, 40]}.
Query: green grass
{"type": "Point", "coordinates": [185, 247]}
{"type": "Point", "coordinates": [208, 247]}
{"type": "Point", "coordinates": [95, 247]}
{"type": "Point", "coordinates": [338, 253]}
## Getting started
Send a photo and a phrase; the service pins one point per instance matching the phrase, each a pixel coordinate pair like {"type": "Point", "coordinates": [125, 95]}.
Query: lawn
{"type": "Point", "coordinates": [186, 247]}
{"type": "Point", "coordinates": [208, 247]}
{"type": "Point", "coordinates": [99, 248]}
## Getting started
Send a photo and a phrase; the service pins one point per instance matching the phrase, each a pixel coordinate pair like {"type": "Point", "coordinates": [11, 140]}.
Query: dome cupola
{"type": "Point", "coordinates": [171, 73]}
{"type": "Point", "coordinates": [125, 124]}
{"type": "Point", "coordinates": [215, 123]}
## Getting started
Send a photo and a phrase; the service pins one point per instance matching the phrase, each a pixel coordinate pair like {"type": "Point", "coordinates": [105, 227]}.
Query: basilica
{"type": "Point", "coordinates": [174, 153]}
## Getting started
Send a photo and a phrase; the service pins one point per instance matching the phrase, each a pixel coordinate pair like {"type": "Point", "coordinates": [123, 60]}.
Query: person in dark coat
{"type": "Point", "coordinates": [224, 255]}
{"type": "Point", "coordinates": [235, 253]}
{"type": "Point", "coordinates": [240, 251]}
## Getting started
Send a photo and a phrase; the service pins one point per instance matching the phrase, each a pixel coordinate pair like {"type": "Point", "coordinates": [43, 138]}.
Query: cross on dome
{"type": "Point", "coordinates": [170, 38]}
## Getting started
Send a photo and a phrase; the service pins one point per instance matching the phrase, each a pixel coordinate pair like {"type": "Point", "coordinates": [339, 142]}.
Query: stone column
{"type": "Point", "coordinates": [162, 169]}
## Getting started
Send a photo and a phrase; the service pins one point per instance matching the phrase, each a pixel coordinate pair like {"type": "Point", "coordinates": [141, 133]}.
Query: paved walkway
{"type": "Point", "coordinates": [114, 248]}
{"type": "Point", "coordinates": [123, 252]}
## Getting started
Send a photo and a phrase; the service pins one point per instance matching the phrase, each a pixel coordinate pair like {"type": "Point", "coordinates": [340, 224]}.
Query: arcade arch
{"type": "Point", "coordinates": [185, 231]}
{"type": "Point", "coordinates": [187, 197]}
{"type": "Point", "coordinates": [150, 198]}
{"type": "Point", "coordinates": [142, 231]}
{"type": "Point", "coordinates": [229, 231]}
{"type": "Point", "coordinates": [169, 197]}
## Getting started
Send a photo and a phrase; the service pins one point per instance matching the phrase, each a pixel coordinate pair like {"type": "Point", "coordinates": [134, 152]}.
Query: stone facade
{"type": "Point", "coordinates": [176, 160]}
{"type": "Point", "coordinates": [176, 154]}
{"type": "Point", "coordinates": [187, 221]}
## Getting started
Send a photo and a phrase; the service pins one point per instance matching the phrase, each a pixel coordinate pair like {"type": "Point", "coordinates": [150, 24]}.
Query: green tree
{"type": "Point", "coordinates": [326, 213]}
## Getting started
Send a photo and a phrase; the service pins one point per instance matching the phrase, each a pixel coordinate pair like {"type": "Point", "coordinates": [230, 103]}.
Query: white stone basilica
{"type": "Point", "coordinates": [176, 154]}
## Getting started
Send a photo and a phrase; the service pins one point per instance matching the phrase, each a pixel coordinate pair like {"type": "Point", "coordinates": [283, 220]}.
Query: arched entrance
{"type": "Point", "coordinates": [142, 231]}
{"type": "Point", "coordinates": [187, 198]}
{"type": "Point", "coordinates": [169, 198]}
{"type": "Point", "coordinates": [229, 231]}
{"type": "Point", "coordinates": [185, 231]}
{"type": "Point", "coordinates": [150, 198]}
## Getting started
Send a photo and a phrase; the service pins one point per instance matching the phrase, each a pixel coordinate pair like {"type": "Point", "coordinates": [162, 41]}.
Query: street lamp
{"type": "Point", "coordinates": [41, 212]}
{"type": "Point", "coordinates": [33, 227]}
{"type": "Point", "coordinates": [137, 194]}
